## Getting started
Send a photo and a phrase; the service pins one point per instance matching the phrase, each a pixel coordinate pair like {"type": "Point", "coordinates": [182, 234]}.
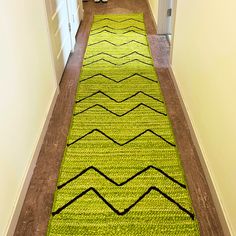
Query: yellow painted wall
{"type": "Point", "coordinates": [204, 64]}
{"type": "Point", "coordinates": [154, 7]}
{"type": "Point", "coordinates": [27, 86]}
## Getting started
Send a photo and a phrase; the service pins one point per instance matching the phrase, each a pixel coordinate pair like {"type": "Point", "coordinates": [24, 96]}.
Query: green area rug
{"type": "Point", "coordinates": [121, 173]}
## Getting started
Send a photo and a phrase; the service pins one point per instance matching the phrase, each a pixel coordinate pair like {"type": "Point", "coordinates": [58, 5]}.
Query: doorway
{"type": "Point", "coordinates": [64, 18]}
{"type": "Point", "coordinates": [165, 23]}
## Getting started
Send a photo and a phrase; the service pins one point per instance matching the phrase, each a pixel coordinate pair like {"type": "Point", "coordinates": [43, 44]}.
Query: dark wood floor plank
{"type": "Point", "coordinates": [35, 213]}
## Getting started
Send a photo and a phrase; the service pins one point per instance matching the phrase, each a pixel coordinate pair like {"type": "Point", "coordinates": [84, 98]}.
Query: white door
{"type": "Point", "coordinates": [75, 16]}
{"type": "Point", "coordinates": [58, 19]}
{"type": "Point", "coordinates": [164, 25]}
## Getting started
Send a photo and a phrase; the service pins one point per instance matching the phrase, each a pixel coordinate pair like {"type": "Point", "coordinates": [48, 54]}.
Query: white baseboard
{"type": "Point", "coordinates": [215, 197]}
{"type": "Point", "coordinates": [19, 203]}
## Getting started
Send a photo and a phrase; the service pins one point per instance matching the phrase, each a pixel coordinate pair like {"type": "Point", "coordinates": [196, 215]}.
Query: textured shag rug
{"type": "Point", "coordinates": [121, 173]}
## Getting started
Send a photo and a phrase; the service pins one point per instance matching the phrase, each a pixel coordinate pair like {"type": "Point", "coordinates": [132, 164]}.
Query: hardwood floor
{"type": "Point", "coordinates": [38, 202]}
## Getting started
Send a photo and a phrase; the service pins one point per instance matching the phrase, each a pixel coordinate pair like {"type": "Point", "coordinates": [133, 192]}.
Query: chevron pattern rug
{"type": "Point", "coordinates": [121, 173]}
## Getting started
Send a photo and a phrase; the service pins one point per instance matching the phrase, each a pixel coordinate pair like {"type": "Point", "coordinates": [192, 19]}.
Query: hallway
{"type": "Point", "coordinates": [37, 206]}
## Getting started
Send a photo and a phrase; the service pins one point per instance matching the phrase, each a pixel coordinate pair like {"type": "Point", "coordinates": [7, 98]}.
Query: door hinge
{"type": "Point", "coordinates": [169, 12]}
{"type": "Point", "coordinates": [69, 27]}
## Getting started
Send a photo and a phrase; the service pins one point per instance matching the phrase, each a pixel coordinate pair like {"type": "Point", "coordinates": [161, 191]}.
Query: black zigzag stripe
{"type": "Point", "coordinates": [118, 20]}
{"type": "Point", "coordinates": [104, 53]}
{"type": "Point", "coordinates": [102, 31]}
{"type": "Point", "coordinates": [121, 144]}
{"type": "Point", "coordinates": [124, 63]}
{"type": "Point", "coordinates": [126, 181]}
{"type": "Point", "coordinates": [125, 211]}
{"type": "Point", "coordinates": [133, 31]}
{"type": "Point", "coordinates": [149, 64]}
{"type": "Point", "coordinates": [117, 45]}
{"type": "Point", "coordinates": [139, 92]}
{"type": "Point", "coordinates": [102, 59]}
{"type": "Point", "coordinates": [119, 81]}
{"type": "Point", "coordinates": [107, 26]}
{"type": "Point", "coordinates": [120, 115]}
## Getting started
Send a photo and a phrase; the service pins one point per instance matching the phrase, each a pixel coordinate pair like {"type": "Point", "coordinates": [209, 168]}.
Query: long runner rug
{"type": "Point", "coordinates": [121, 173]}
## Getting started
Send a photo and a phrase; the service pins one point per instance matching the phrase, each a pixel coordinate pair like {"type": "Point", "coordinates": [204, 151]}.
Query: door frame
{"type": "Point", "coordinates": [80, 10]}
{"type": "Point", "coordinates": [162, 20]}
{"type": "Point", "coordinates": [173, 21]}
{"type": "Point", "coordinates": [50, 36]}
{"type": "Point", "coordinates": [174, 11]}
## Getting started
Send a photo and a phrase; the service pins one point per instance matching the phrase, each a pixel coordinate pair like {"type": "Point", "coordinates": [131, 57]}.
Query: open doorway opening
{"type": "Point", "coordinates": [166, 12]}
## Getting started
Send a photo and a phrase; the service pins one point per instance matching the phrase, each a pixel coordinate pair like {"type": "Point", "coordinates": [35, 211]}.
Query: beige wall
{"type": "Point", "coordinates": [27, 86]}
{"type": "Point", "coordinates": [204, 64]}
{"type": "Point", "coordinates": [154, 8]}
